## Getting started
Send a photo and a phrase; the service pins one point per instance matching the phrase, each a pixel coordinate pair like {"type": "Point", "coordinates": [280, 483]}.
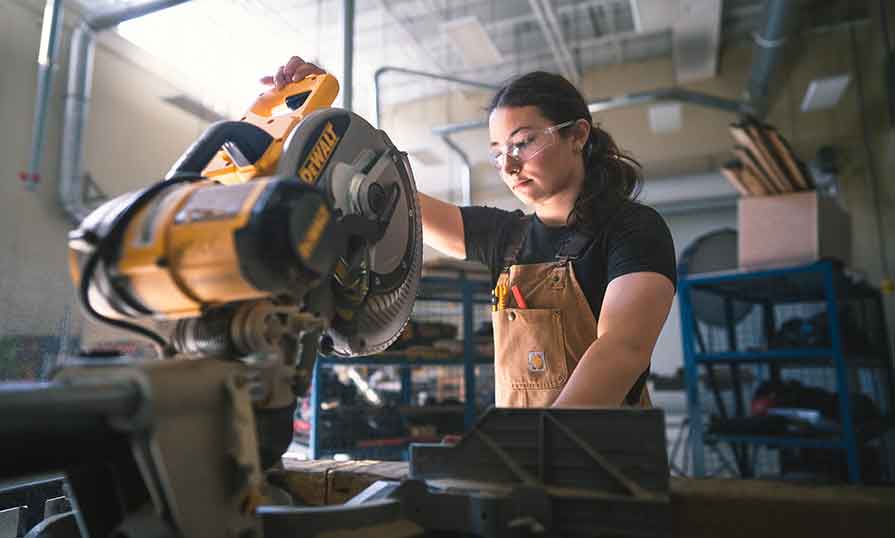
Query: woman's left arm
{"type": "Point", "coordinates": [634, 310]}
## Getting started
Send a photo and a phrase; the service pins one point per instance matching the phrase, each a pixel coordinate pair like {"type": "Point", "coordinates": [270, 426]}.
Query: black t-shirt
{"type": "Point", "coordinates": [629, 239]}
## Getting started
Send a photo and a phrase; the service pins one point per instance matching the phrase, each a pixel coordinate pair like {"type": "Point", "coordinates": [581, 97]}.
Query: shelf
{"type": "Point", "coordinates": [776, 441]}
{"type": "Point", "coordinates": [800, 284]}
{"type": "Point", "coordinates": [801, 357]}
{"type": "Point", "coordinates": [774, 354]}
{"type": "Point", "coordinates": [401, 361]}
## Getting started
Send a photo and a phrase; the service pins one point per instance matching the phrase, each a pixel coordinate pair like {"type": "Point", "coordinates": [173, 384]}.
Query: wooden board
{"type": "Point", "coordinates": [733, 172]}
{"type": "Point", "coordinates": [750, 164]}
{"type": "Point", "coordinates": [746, 137]}
{"type": "Point", "coordinates": [781, 147]}
{"type": "Point", "coordinates": [759, 135]}
{"type": "Point", "coordinates": [323, 482]}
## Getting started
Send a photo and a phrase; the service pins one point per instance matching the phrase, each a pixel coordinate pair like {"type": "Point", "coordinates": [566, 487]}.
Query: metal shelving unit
{"type": "Point", "coordinates": [473, 299]}
{"type": "Point", "coordinates": [747, 349]}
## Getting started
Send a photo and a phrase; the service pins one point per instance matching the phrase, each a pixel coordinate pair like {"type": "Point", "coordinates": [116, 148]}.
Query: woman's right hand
{"type": "Point", "coordinates": [292, 71]}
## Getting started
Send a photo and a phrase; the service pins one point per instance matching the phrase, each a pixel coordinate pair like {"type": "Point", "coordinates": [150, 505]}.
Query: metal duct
{"type": "Point", "coordinates": [466, 180]}
{"type": "Point", "coordinates": [46, 62]}
{"type": "Point", "coordinates": [111, 19]}
{"type": "Point", "coordinates": [77, 101]}
{"type": "Point", "coordinates": [348, 54]}
{"type": "Point", "coordinates": [768, 43]}
{"type": "Point", "coordinates": [624, 101]}
{"type": "Point", "coordinates": [435, 76]}
{"type": "Point", "coordinates": [77, 106]}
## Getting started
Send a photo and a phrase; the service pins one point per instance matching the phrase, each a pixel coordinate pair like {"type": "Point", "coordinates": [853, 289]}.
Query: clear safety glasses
{"type": "Point", "coordinates": [526, 144]}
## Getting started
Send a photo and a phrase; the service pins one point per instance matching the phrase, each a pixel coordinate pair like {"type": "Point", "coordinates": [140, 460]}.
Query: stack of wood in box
{"type": "Point", "coordinates": [765, 164]}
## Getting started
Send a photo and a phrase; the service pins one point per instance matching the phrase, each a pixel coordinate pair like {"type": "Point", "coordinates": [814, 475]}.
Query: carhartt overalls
{"type": "Point", "coordinates": [537, 348]}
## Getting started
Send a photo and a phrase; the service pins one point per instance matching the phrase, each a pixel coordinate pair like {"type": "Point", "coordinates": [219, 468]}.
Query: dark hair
{"type": "Point", "coordinates": [611, 176]}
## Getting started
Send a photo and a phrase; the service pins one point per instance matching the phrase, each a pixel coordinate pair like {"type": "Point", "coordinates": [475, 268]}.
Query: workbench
{"type": "Point", "coordinates": [710, 508]}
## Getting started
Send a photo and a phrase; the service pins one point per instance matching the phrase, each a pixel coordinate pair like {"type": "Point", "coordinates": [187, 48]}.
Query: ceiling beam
{"type": "Point", "coordinates": [545, 13]}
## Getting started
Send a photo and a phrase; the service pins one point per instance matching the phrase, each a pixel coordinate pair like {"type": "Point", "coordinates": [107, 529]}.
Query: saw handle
{"type": "Point", "coordinates": [314, 90]}
{"type": "Point", "coordinates": [251, 140]}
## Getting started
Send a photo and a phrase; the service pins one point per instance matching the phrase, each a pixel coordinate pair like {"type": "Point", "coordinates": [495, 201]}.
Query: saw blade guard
{"type": "Point", "coordinates": [362, 173]}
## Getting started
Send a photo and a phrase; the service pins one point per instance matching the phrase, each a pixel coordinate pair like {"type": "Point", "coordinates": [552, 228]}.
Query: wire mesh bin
{"type": "Point", "coordinates": [417, 390]}
{"type": "Point", "coordinates": [789, 375]}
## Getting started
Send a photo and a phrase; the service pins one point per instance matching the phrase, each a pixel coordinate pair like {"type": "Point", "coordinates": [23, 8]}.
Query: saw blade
{"type": "Point", "coordinates": [343, 155]}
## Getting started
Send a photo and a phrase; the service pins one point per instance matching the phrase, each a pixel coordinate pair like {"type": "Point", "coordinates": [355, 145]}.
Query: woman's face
{"type": "Point", "coordinates": [553, 165]}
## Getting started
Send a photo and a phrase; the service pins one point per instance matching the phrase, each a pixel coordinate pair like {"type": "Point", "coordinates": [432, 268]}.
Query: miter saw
{"type": "Point", "coordinates": [265, 225]}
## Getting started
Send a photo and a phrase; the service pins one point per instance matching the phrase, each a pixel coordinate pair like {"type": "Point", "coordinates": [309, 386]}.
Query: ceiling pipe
{"type": "Point", "coordinates": [348, 54]}
{"type": "Point", "coordinates": [113, 18]}
{"type": "Point", "coordinates": [768, 44]}
{"type": "Point", "coordinates": [466, 180]}
{"type": "Point", "coordinates": [435, 76]}
{"type": "Point", "coordinates": [546, 19]}
{"type": "Point", "coordinates": [77, 101]}
{"type": "Point", "coordinates": [625, 101]}
{"type": "Point", "coordinates": [600, 105]}
{"type": "Point", "coordinates": [46, 63]}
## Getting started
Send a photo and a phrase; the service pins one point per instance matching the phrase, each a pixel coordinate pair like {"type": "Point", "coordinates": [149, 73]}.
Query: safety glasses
{"type": "Point", "coordinates": [526, 144]}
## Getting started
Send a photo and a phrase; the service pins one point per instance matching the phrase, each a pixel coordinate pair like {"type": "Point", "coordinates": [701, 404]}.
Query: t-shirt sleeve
{"type": "Point", "coordinates": [484, 233]}
{"type": "Point", "coordinates": [640, 241]}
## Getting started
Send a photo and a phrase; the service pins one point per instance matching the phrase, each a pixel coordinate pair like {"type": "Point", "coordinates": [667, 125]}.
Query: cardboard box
{"type": "Point", "coordinates": [792, 229]}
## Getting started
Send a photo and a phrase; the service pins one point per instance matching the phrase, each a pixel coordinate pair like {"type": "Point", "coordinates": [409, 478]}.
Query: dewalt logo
{"type": "Point", "coordinates": [309, 242]}
{"type": "Point", "coordinates": [319, 155]}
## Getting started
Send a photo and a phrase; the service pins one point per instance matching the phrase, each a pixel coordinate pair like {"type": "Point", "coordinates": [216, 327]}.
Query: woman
{"type": "Point", "coordinates": [585, 283]}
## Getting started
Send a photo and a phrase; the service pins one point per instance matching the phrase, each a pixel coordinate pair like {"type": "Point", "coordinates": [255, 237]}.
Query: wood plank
{"type": "Point", "coordinates": [750, 163]}
{"type": "Point", "coordinates": [759, 133]}
{"type": "Point", "coordinates": [711, 508]}
{"type": "Point", "coordinates": [733, 171]}
{"type": "Point", "coordinates": [751, 178]}
{"type": "Point", "coordinates": [781, 146]}
{"type": "Point", "coordinates": [745, 136]}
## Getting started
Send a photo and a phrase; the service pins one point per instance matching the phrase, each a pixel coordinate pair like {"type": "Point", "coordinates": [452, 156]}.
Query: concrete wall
{"type": "Point", "coordinates": [132, 139]}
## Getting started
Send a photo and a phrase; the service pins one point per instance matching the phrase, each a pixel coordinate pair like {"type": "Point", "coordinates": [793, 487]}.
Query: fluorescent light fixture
{"type": "Point", "coordinates": [825, 92]}
{"type": "Point", "coordinates": [665, 118]}
{"type": "Point", "coordinates": [472, 42]}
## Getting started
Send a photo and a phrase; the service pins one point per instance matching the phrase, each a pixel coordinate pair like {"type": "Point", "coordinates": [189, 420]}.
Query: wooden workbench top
{"type": "Point", "coordinates": [710, 508]}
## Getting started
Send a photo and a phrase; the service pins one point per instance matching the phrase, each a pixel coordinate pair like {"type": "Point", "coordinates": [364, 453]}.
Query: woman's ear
{"type": "Point", "coordinates": [580, 133]}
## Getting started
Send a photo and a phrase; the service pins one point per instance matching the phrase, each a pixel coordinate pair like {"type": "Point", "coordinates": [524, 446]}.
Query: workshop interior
{"type": "Point", "coordinates": [218, 316]}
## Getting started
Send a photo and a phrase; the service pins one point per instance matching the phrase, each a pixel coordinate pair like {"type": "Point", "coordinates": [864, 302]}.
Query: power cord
{"type": "Point", "coordinates": [102, 250]}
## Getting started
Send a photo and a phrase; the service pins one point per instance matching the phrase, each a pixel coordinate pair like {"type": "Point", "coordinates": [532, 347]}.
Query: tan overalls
{"type": "Point", "coordinates": [537, 348]}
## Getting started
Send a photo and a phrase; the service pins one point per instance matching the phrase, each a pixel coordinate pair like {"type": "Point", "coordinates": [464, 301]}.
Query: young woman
{"type": "Point", "coordinates": [583, 284]}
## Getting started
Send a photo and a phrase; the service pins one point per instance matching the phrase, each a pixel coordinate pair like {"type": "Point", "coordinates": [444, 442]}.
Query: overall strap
{"type": "Point", "coordinates": [516, 240]}
{"type": "Point", "coordinates": [573, 247]}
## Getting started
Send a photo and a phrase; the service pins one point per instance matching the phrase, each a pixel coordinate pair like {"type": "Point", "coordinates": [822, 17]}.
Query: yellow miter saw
{"type": "Point", "coordinates": [265, 228]}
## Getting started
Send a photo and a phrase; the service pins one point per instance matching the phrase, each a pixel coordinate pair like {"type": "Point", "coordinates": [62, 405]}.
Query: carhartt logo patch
{"type": "Point", "coordinates": [536, 361]}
